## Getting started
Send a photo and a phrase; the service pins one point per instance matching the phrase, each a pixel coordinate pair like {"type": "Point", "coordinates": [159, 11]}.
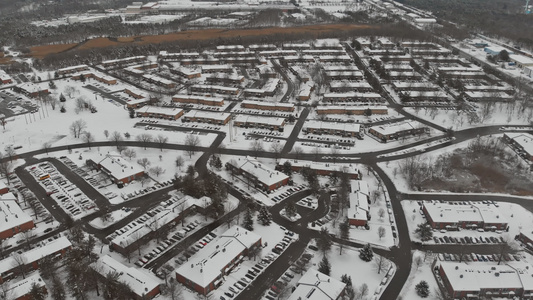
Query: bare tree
{"type": "Point", "coordinates": [130, 153]}
{"type": "Point", "coordinates": [381, 232]}
{"type": "Point", "coordinates": [47, 146]}
{"type": "Point", "coordinates": [144, 138]}
{"type": "Point", "coordinates": [88, 138]}
{"type": "Point", "coordinates": [77, 127]}
{"type": "Point", "coordinates": [157, 170]}
{"type": "Point", "coordinates": [70, 90]}
{"type": "Point", "coordinates": [175, 290]}
{"type": "Point", "coordinates": [106, 133]}
{"type": "Point", "coordinates": [276, 149]}
{"type": "Point", "coordinates": [6, 166]}
{"type": "Point", "coordinates": [144, 180]}
{"type": "Point", "coordinates": [191, 143]}
{"type": "Point", "coordinates": [317, 153]}
{"type": "Point", "coordinates": [116, 137]}
{"type": "Point", "coordinates": [297, 151]}
{"type": "Point", "coordinates": [19, 262]}
{"type": "Point", "coordinates": [256, 147]}
{"type": "Point", "coordinates": [380, 263]}
{"type": "Point", "coordinates": [161, 140]}
{"type": "Point", "coordinates": [381, 213]}
{"type": "Point", "coordinates": [179, 162]}
{"type": "Point", "coordinates": [144, 162]}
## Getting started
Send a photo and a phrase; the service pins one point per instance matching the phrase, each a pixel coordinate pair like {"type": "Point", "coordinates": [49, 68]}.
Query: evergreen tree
{"type": "Point", "coordinates": [344, 228]}
{"type": "Point", "coordinates": [287, 168]}
{"type": "Point", "coordinates": [248, 222]}
{"type": "Point", "coordinates": [324, 241]}
{"type": "Point", "coordinates": [366, 253]}
{"type": "Point", "coordinates": [62, 98]}
{"type": "Point", "coordinates": [264, 217]}
{"type": "Point", "coordinates": [37, 292]}
{"type": "Point", "coordinates": [424, 231]}
{"type": "Point", "coordinates": [131, 112]}
{"type": "Point", "coordinates": [324, 266]}
{"type": "Point", "coordinates": [422, 289]}
{"type": "Point", "coordinates": [290, 210]}
{"type": "Point", "coordinates": [58, 289]}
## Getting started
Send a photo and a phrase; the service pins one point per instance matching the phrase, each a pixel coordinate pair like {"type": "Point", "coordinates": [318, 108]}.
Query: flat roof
{"type": "Point", "coordinates": [525, 140]}
{"type": "Point", "coordinates": [16, 290]}
{"type": "Point", "coordinates": [35, 254]}
{"type": "Point", "coordinates": [117, 166]}
{"type": "Point", "coordinates": [358, 206]}
{"type": "Point", "coordinates": [396, 127]}
{"type": "Point", "coordinates": [346, 168]}
{"type": "Point", "coordinates": [169, 111]}
{"type": "Point", "coordinates": [446, 213]}
{"type": "Point", "coordinates": [218, 116]}
{"type": "Point", "coordinates": [140, 282]}
{"type": "Point", "coordinates": [348, 127]}
{"type": "Point", "coordinates": [11, 215]}
{"type": "Point", "coordinates": [207, 264]}
{"type": "Point", "coordinates": [478, 276]}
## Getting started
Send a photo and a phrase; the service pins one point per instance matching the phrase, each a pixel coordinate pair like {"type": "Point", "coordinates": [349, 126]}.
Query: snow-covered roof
{"type": "Point", "coordinates": [449, 213]}
{"type": "Point", "coordinates": [352, 95]}
{"type": "Point", "coordinates": [73, 68]}
{"type": "Point", "coordinates": [263, 173]}
{"type": "Point", "coordinates": [360, 186]}
{"type": "Point", "coordinates": [340, 68]}
{"type": "Point", "coordinates": [345, 168]}
{"type": "Point", "coordinates": [351, 107]}
{"type": "Point", "coordinates": [11, 215]}
{"type": "Point", "coordinates": [279, 122]}
{"type": "Point", "coordinates": [230, 47]}
{"type": "Point", "coordinates": [395, 128]}
{"type": "Point", "coordinates": [214, 87]}
{"type": "Point", "coordinates": [169, 211]}
{"type": "Point", "coordinates": [140, 282]}
{"type": "Point", "coordinates": [489, 95]}
{"type": "Point", "coordinates": [476, 277]}
{"type": "Point", "coordinates": [327, 43]}
{"type": "Point", "coordinates": [209, 262]}
{"type": "Point", "coordinates": [35, 254]}
{"type": "Point", "coordinates": [124, 60]}
{"type": "Point", "coordinates": [350, 84]}
{"type": "Point", "coordinates": [487, 88]}
{"type": "Point", "coordinates": [116, 165]}
{"type": "Point", "coordinates": [358, 206]}
{"type": "Point", "coordinates": [217, 116]}
{"type": "Point", "coordinates": [16, 290]}
{"type": "Point", "coordinates": [401, 85]}
{"type": "Point", "coordinates": [169, 111]}
{"type": "Point", "coordinates": [459, 69]}
{"type": "Point", "coordinates": [525, 140]}
{"type": "Point", "coordinates": [158, 79]}
{"type": "Point", "coordinates": [199, 98]}
{"type": "Point", "coordinates": [520, 59]}
{"type": "Point", "coordinates": [317, 286]}
{"type": "Point", "coordinates": [268, 104]}
{"type": "Point", "coordinates": [317, 125]}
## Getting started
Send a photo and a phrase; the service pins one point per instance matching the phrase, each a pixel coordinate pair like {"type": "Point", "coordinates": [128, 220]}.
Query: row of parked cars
{"type": "Point", "coordinates": [30, 198]}
{"type": "Point", "coordinates": [287, 193]}
{"type": "Point", "coordinates": [163, 245]}
{"type": "Point", "coordinates": [147, 190]}
{"type": "Point", "coordinates": [71, 199]}
{"type": "Point", "coordinates": [473, 257]}
{"type": "Point", "coordinates": [468, 240]}
{"type": "Point", "coordinates": [298, 267]}
{"type": "Point", "coordinates": [91, 179]}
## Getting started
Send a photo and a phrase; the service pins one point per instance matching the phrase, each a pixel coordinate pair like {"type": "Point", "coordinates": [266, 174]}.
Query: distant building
{"type": "Point", "coordinates": [32, 90]}
{"type": "Point", "coordinates": [257, 174]}
{"type": "Point", "coordinates": [332, 128]}
{"type": "Point", "coordinates": [260, 122]}
{"type": "Point", "coordinates": [159, 112]}
{"type": "Point", "coordinates": [522, 142]}
{"type": "Point", "coordinates": [395, 131]}
{"type": "Point", "coordinates": [323, 169]}
{"type": "Point", "coordinates": [314, 285]}
{"type": "Point", "coordinates": [526, 237]}
{"type": "Point", "coordinates": [210, 117]}
{"type": "Point", "coordinates": [205, 270]}
{"type": "Point", "coordinates": [194, 99]}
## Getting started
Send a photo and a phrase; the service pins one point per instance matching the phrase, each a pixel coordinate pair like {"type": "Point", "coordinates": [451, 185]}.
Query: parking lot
{"type": "Point", "coordinates": [69, 197]}
{"type": "Point", "coordinates": [12, 104]}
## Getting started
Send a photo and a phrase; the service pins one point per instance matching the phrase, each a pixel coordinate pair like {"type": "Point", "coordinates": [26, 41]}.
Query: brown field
{"type": "Point", "coordinates": [205, 34]}
{"type": "Point", "coordinates": [42, 51]}
{"type": "Point", "coordinates": [5, 60]}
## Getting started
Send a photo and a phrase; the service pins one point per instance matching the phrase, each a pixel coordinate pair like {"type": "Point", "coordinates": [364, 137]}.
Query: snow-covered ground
{"type": "Point", "coordinates": [418, 273]}
{"type": "Point", "coordinates": [116, 216]}
{"type": "Point", "coordinates": [349, 263]}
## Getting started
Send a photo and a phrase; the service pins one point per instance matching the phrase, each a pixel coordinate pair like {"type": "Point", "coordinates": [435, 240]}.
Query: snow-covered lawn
{"type": "Point", "coordinates": [419, 273]}
{"type": "Point", "coordinates": [349, 263]}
